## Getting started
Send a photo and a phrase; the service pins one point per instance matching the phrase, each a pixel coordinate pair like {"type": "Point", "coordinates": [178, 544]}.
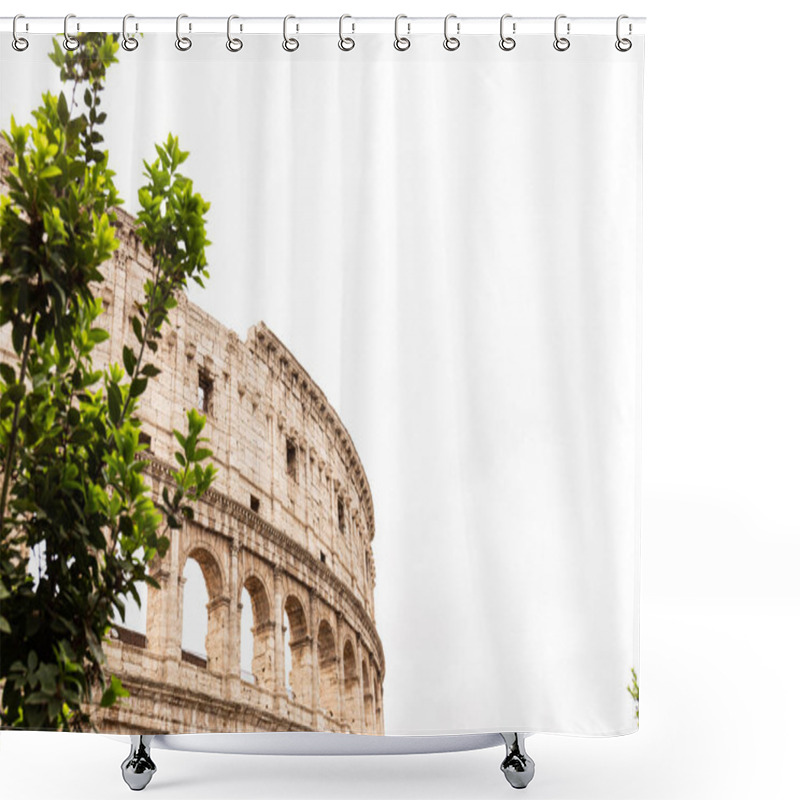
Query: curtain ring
{"type": "Point", "coordinates": [183, 43]}
{"type": "Point", "coordinates": [289, 44]}
{"type": "Point", "coordinates": [129, 41]}
{"type": "Point", "coordinates": [561, 43]}
{"type": "Point", "coordinates": [450, 42]}
{"type": "Point", "coordinates": [346, 43]}
{"type": "Point", "coordinates": [19, 43]}
{"type": "Point", "coordinates": [506, 42]}
{"type": "Point", "coordinates": [70, 42]}
{"type": "Point", "coordinates": [623, 45]}
{"type": "Point", "coordinates": [401, 43]}
{"type": "Point", "coordinates": [233, 44]}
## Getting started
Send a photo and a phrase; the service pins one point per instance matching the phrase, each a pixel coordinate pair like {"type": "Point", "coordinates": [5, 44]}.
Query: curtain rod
{"type": "Point", "coordinates": [320, 25]}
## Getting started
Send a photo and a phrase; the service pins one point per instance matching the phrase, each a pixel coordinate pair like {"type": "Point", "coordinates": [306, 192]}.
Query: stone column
{"type": "Point", "coordinates": [233, 634]}
{"type": "Point", "coordinates": [340, 666]}
{"type": "Point", "coordinates": [263, 655]}
{"type": "Point", "coordinates": [332, 507]}
{"type": "Point", "coordinates": [164, 607]}
{"type": "Point", "coordinates": [218, 614]}
{"type": "Point", "coordinates": [272, 439]}
{"type": "Point", "coordinates": [279, 682]}
{"type": "Point", "coordinates": [313, 618]}
{"type": "Point", "coordinates": [378, 705]}
{"type": "Point", "coordinates": [362, 717]}
{"type": "Point", "coordinates": [304, 483]}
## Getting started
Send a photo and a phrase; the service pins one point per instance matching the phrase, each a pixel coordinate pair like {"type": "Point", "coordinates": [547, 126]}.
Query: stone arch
{"type": "Point", "coordinates": [297, 650]}
{"type": "Point", "coordinates": [350, 712]}
{"type": "Point", "coordinates": [212, 571]}
{"type": "Point", "coordinates": [369, 708]}
{"type": "Point", "coordinates": [216, 608]}
{"type": "Point", "coordinates": [328, 671]}
{"type": "Point", "coordinates": [261, 634]}
{"type": "Point", "coordinates": [258, 593]}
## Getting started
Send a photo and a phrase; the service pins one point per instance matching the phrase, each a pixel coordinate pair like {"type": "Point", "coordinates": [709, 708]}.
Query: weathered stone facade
{"type": "Point", "coordinates": [289, 520]}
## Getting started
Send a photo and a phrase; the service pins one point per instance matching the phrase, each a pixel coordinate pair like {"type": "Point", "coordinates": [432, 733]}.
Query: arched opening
{"type": "Point", "coordinates": [351, 710]}
{"type": "Point", "coordinates": [203, 612]}
{"type": "Point", "coordinates": [195, 625]}
{"type": "Point", "coordinates": [256, 635]}
{"type": "Point", "coordinates": [130, 623]}
{"type": "Point", "coordinates": [328, 672]}
{"type": "Point", "coordinates": [297, 651]}
{"type": "Point", "coordinates": [369, 708]}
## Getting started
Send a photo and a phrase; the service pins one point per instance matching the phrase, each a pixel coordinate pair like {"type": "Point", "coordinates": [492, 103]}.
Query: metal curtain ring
{"type": "Point", "coordinates": [623, 45]}
{"type": "Point", "coordinates": [289, 44]}
{"type": "Point", "coordinates": [506, 42]}
{"type": "Point", "coordinates": [183, 43]}
{"type": "Point", "coordinates": [233, 44]}
{"type": "Point", "coordinates": [70, 42]}
{"type": "Point", "coordinates": [129, 41]}
{"type": "Point", "coordinates": [346, 43]}
{"type": "Point", "coordinates": [561, 43]}
{"type": "Point", "coordinates": [450, 42]}
{"type": "Point", "coordinates": [401, 43]}
{"type": "Point", "coordinates": [19, 43]}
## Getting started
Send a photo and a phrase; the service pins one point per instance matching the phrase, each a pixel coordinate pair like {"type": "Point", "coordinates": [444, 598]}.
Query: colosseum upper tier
{"type": "Point", "coordinates": [289, 520]}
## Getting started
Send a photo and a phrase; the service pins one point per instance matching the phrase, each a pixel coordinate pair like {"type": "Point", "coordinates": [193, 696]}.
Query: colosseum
{"type": "Point", "coordinates": [289, 521]}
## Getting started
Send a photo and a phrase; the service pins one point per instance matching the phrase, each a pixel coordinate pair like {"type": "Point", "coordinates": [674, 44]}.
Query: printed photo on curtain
{"type": "Point", "coordinates": [320, 373]}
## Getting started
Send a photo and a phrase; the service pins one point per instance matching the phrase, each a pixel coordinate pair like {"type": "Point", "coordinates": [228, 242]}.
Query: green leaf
{"type": "Point", "coordinates": [33, 661]}
{"type": "Point", "coordinates": [16, 392]}
{"type": "Point", "coordinates": [98, 335]}
{"type": "Point", "coordinates": [109, 698]}
{"type": "Point", "coordinates": [63, 109]}
{"type": "Point", "coordinates": [114, 402]}
{"type": "Point", "coordinates": [150, 371]}
{"type": "Point", "coordinates": [137, 329]}
{"type": "Point", "coordinates": [118, 688]}
{"type": "Point", "coordinates": [7, 373]}
{"type": "Point", "coordinates": [138, 385]}
{"type": "Point", "coordinates": [17, 338]}
{"type": "Point", "coordinates": [129, 359]}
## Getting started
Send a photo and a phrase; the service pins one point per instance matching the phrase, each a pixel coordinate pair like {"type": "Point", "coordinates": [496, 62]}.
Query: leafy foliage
{"type": "Point", "coordinates": [74, 490]}
{"type": "Point", "coordinates": [633, 691]}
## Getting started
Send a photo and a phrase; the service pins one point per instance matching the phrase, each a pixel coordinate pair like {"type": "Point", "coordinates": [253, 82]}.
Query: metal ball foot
{"type": "Point", "coordinates": [517, 766]}
{"type": "Point", "coordinates": [138, 768]}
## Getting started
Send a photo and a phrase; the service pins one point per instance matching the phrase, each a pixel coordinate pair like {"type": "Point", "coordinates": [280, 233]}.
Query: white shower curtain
{"type": "Point", "coordinates": [449, 243]}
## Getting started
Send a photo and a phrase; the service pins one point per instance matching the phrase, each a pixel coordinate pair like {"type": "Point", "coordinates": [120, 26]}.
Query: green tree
{"type": "Point", "coordinates": [74, 489]}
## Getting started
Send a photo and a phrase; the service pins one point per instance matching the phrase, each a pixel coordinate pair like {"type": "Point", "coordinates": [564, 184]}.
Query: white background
{"type": "Point", "coordinates": [720, 548]}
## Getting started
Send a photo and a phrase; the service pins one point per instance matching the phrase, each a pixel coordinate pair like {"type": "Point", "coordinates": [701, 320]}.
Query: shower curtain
{"type": "Point", "coordinates": [416, 354]}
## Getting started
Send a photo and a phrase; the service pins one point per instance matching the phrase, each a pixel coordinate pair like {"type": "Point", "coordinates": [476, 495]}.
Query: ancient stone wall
{"type": "Point", "coordinates": [289, 520]}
